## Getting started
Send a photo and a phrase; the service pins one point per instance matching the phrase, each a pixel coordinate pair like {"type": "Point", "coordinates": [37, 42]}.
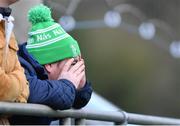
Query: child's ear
{"type": "Point", "coordinates": [48, 67]}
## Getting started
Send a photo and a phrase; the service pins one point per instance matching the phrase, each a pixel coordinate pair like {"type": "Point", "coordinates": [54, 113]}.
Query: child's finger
{"type": "Point", "coordinates": [80, 69]}
{"type": "Point", "coordinates": [76, 66]}
{"type": "Point", "coordinates": [67, 65]}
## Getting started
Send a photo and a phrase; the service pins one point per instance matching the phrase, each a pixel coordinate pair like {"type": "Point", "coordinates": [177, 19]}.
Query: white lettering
{"type": "Point", "coordinates": [43, 37]}
{"type": "Point", "coordinates": [57, 32]}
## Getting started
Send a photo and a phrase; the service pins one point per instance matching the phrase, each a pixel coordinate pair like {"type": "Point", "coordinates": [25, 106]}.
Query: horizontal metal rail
{"type": "Point", "coordinates": [116, 117]}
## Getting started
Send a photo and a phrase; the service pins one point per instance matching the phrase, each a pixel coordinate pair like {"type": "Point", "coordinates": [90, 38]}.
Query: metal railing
{"type": "Point", "coordinates": [79, 116]}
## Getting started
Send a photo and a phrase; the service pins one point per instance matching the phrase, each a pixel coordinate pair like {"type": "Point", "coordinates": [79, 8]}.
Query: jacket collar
{"type": "Point", "coordinates": [5, 11]}
{"type": "Point", "coordinates": [41, 72]}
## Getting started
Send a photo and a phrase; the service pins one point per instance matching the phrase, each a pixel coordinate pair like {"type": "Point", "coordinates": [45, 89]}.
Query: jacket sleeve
{"type": "Point", "coordinates": [12, 84]}
{"type": "Point", "coordinates": [58, 94]}
{"type": "Point", "coordinates": [83, 96]}
{"type": "Point", "coordinates": [24, 94]}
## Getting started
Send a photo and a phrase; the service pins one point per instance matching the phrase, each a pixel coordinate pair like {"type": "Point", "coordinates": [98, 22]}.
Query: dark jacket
{"type": "Point", "coordinates": [58, 94]}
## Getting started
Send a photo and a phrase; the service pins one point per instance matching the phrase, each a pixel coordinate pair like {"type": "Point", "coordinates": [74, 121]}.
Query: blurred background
{"type": "Point", "coordinates": [131, 48]}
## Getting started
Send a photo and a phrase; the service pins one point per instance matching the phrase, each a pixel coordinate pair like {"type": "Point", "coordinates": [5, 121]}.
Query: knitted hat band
{"type": "Point", "coordinates": [45, 42]}
{"type": "Point", "coordinates": [47, 56]}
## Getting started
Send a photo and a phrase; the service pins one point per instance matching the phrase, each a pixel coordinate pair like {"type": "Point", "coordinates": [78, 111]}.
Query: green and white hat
{"type": "Point", "coordinates": [47, 40]}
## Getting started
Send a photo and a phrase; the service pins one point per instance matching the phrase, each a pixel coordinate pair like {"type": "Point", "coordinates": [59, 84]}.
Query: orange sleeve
{"type": "Point", "coordinates": [10, 86]}
{"type": "Point", "coordinates": [23, 82]}
{"type": "Point", "coordinates": [14, 86]}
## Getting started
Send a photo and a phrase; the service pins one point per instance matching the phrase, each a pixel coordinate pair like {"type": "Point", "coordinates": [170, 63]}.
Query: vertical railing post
{"type": "Point", "coordinates": [117, 123]}
{"type": "Point", "coordinates": [65, 121]}
{"type": "Point", "coordinates": [79, 121]}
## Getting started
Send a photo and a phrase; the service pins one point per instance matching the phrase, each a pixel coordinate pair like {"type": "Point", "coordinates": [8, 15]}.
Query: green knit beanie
{"type": "Point", "coordinates": [47, 40]}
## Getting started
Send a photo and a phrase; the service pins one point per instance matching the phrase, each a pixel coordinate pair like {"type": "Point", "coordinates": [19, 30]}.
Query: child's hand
{"type": "Point", "coordinates": [83, 80]}
{"type": "Point", "coordinates": [73, 73]}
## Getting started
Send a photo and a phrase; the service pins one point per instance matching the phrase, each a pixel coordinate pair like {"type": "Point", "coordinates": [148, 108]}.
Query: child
{"type": "Point", "coordinates": [13, 84]}
{"type": "Point", "coordinates": [53, 66]}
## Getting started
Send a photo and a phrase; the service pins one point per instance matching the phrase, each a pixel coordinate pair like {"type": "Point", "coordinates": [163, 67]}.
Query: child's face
{"type": "Point", "coordinates": [55, 69]}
